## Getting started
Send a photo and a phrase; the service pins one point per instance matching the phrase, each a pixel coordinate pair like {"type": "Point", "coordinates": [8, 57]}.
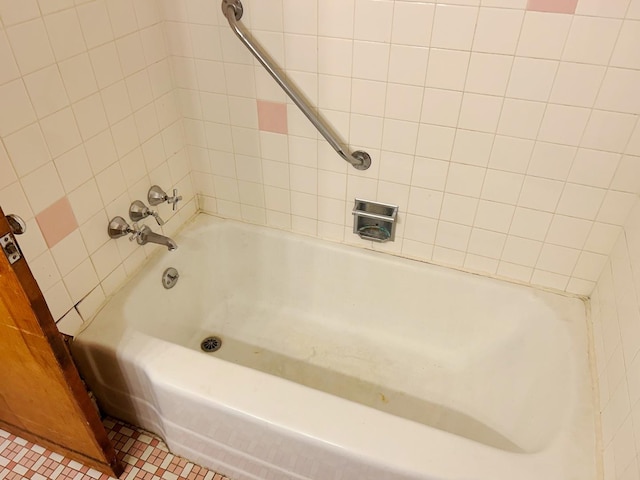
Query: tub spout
{"type": "Point", "coordinates": [148, 236]}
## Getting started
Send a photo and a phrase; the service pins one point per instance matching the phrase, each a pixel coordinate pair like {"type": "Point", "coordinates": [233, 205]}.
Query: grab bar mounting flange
{"type": "Point", "coordinates": [237, 7]}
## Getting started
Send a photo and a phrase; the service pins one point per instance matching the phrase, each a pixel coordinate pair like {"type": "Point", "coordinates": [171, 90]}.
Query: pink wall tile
{"type": "Point", "coordinates": [553, 6]}
{"type": "Point", "coordinates": [57, 221]}
{"type": "Point", "coordinates": [272, 117]}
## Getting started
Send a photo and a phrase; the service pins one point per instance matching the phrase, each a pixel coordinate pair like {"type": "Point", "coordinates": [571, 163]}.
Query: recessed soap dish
{"type": "Point", "coordinates": [374, 221]}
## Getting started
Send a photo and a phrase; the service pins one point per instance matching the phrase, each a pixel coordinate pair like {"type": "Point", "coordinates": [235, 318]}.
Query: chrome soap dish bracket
{"type": "Point", "coordinates": [375, 221]}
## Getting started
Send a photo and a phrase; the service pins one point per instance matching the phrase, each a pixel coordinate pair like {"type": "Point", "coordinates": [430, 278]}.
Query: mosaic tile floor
{"type": "Point", "coordinates": [145, 457]}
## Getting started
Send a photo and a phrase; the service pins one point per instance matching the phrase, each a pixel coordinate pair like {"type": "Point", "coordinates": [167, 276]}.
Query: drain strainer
{"type": "Point", "coordinates": [211, 344]}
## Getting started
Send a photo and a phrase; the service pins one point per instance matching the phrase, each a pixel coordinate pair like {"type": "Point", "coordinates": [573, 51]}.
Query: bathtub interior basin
{"type": "Point", "coordinates": [501, 369]}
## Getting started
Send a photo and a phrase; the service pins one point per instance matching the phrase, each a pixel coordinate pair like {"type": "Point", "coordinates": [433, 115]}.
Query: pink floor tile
{"type": "Point", "coordinates": [21, 460]}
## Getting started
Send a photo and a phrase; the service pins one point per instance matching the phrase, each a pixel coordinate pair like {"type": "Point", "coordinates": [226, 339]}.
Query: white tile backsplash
{"type": "Point", "coordinates": [80, 70]}
{"type": "Point", "coordinates": [616, 319]}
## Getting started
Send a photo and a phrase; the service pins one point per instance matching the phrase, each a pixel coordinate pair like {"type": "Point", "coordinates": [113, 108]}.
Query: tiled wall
{"type": "Point", "coordinates": [615, 306]}
{"type": "Point", "coordinates": [507, 131]}
{"type": "Point", "coordinates": [88, 122]}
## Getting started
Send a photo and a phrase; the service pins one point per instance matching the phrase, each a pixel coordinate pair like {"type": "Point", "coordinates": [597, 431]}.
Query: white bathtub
{"type": "Point", "coordinates": [343, 363]}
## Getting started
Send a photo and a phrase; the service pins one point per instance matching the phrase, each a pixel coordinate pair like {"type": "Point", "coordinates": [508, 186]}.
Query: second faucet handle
{"type": "Point", "coordinates": [138, 211]}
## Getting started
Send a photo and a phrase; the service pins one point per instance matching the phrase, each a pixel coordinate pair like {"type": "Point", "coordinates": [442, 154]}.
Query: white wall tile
{"type": "Point", "coordinates": [615, 207]}
{"type": "Point", "coordinates": [532, 78]}
{"type": "Point", "coordinates": [123, 17]}
{"type": "Point", "coordinates": [602, 238]}
{"type": "Point", "coordinates": [481, 264]}
{"type": "Point", "coordinates": [540, 193]}
{"type": "Point", "coordinates": [106, 64]}
{"type": "Point", "coordinates": [634, 10]}
{"type": "Point", "coordinates": [300, 16]}
{"type": "Point", "coordinates": [557, 259]}
{"type": "Point", "coordinates": [472, 147]}
{"type": "Point", "coordinates": [370, 60]}
{"type": "Point", "coordinates": [458, 209]}
{"type": "Point", "coordinates": [17, 12]}
{"type": "Point", "coordinates": [550, 280]}
{"type": "Point", "coordinates": [543, 35]}
{"type": "Point", "coordinates": [591, 40]}
{"type": "Point", "coordinates": [404, 102]}
{"type": "Point", "coordinates": [498, 30]}
{"type": "Point", "coordinates": [625, 52]}
{"type": "Point", "coordinates": [42, 187]}
{"type": "Point", "coordinates": [148, 11]}
{"type": "Point", "coordinates": [568, 231]}
{"type": "Point", "coordinates": [16, 110]}
{"type": "Point", "coordinates": [465, 179]}
{"type": "Point", "coordinates": [447, 69]}
{"type": "Point", "coordinates": [608, 131]}
{"type": "Point", "coordinates": [77, 75]}
{"type": "Point", "coordinates": [399, 136]}
{"type": "Point", "coordinates": [521, 251]}
{"type": "Point", "coordinates": [521, 118]}
{"type": "Point", "coordinates": [30, 44]}
{"type": "Point", "coordinates": [69, 252]}
{"type": "Point", "coordinates": [480, 112]}
{"type": "Point", "coordinates": [95, 22]}
{"type": "Point", "coordinates": [435, 142]}
{"type": "Point", "coordinates": [527, 223]}
{"type": "Point", "coordinates": [600, 8]}
{"type": "Point", "coordinates": [60, 132]}
{"type": "Point", "coordinates": [378, 13]}
{"type": "Point", "coordinates": [488, 73]}
{"type": "Point", "coordinates": [453, 27]}
{"type": "Point", "coordinates": [627, 176]}
{"type": "Point", "coordinates": [46, 91]}
{"type": "Point", "coordinates": [14, 200]}
{"type": "Point", "coordinates": [412, 22]}
{"type": "Point", "coordinates": [10, 68]}
{"type": "Point", "coordinates": [441, 107]}
{"type": "Point", "coordinates": [81, 281]}
{"type": "Point", "coordinates": [563, 124]}
{"type": "Point", "coordinates": [511, 154]}
{"type": "Point", "coordinates": [503, 187]}
{"type": "Point", "coordinates": [580, 201]}
{"type": "Point", "coordinates": [589, 266]}
{"type": "Point", "coordinates": [594, 168]}
{"type": "Point", "coordinates": [550, 160]}
{"type": "Point", "coordinates": [27, 149]}
{"type": "Point", "coordinates": [453, 235]}
{"type": "Point", "coordinates": [616, 92]}
{"type": "Point", "coordinates": [73, 168]}
{"type": "Point", "coordinates": [335, 56]}
{"type": "Point", "coordinates": [65, 34]}
{"type": "Point", "coordinates": [408, 64]}
{"type": "Point", "coordinates": [336, 18]}
{"type": "Point", "coordinates": [577, 84]}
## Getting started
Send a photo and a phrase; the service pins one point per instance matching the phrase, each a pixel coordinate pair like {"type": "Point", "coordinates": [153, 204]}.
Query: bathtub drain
{"type": "Point", "coordinates": [211, 344]}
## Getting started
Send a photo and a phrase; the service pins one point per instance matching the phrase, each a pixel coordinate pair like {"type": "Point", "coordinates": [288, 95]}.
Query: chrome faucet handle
{"type": "Point", "coordinates": [118, 227]}
{"type": "Point", "coordinates": [157, 195]}
{"type": "Point", "coordinates": [174, 200]}
{"type": "Point", "coordinates": [135, 232]}
{"type": "Point", "coordinates": [139, 211]}
{"type": "Point", "coordinates": [155, 215]}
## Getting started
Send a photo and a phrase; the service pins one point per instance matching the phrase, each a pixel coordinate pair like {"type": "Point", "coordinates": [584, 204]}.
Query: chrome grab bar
{"type": "Point", "coordinates": [233, 11]}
